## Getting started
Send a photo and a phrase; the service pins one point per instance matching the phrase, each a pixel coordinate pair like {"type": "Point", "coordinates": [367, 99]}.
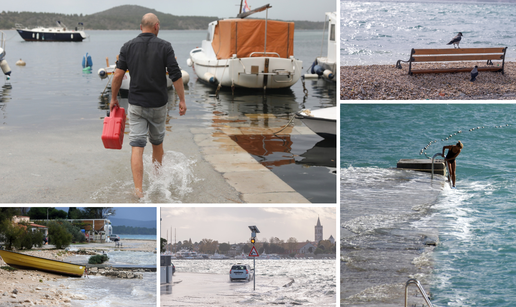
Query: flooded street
{"type": "Point", "coordinates": [283, 282]}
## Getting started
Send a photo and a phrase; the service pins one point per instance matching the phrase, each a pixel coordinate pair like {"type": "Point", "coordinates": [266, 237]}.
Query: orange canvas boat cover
{"type": "Point", "coordinates": [245, 36]}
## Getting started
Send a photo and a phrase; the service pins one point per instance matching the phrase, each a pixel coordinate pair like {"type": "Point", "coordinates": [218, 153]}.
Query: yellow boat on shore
{"type": "Point", "coordinates": [22, 261]}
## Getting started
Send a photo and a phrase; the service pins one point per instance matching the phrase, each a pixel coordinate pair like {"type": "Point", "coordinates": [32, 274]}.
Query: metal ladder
{"type": "Point", "coordinates": [421, 290]}
{"type": "Point", "coordinates": [445, 165]}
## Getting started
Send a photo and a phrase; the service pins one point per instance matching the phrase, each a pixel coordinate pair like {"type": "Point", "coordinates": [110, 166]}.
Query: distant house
{"type": "Point", "coordinates": [25, 220]}
{"type": "Point", "coordinates": [300, 248]}
{"type": "Point", "coordinates": [331, 239]}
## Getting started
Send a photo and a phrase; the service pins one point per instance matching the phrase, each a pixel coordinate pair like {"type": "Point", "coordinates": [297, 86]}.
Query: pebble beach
{"type": "Point", "coordinates": [386, 82]}
{"type": "Point", "coordinates": [32, 287]}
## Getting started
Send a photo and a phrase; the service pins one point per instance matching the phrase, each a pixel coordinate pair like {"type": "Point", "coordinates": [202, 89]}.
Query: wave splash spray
{"type": "Point", "coordinates": [172, 180]}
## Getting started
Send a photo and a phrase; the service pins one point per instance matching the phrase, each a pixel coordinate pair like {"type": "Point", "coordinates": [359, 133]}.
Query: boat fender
{"type": "Point", "coordinates": [328, 74]}
{"type": "Point", "coordinates": [185, 76]}
{"type": "Point", "coordinates": [209, 77]}
{"type": "Point", "coordinates": [21, 62]}
{"type": "Point", "coordinates": [311, 76]}
{"type": "Point", "coordinates": [5, 68]}
{"type": "Point", "coordinates": [318, 70]}
{"type": "Point", "coordinates": [102, 73]}
{"type": "Point", "coordinates": [312, 68]}
{"type": "Point", "coordinates": [86, 61]}
{"type": "Point", "coordinates": [189, 62]}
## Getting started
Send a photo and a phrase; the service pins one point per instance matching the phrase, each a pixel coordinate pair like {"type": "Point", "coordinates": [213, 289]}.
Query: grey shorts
{"type": "Point", "coordinates": [145, 122]}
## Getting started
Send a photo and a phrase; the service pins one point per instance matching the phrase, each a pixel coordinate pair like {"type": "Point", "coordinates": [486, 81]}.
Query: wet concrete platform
{"type": "Point", "coordinates": [386, 236]}
{"type": "Point", "coordinates": [254, 182]}
{"type": "Point", "coordinates": [423, 165]}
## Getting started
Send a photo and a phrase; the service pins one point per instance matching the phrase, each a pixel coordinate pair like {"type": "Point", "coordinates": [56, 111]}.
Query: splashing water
{"type": "Point", "coordinates": [172, 180]}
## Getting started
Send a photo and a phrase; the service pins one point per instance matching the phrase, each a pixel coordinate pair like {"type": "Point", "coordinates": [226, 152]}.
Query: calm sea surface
{"type": "Point", "coordinates": [51, 101]}
{"type": "Point", "coordinates": [474, 262]}
{"type": "Point", "coordinates": [382, 32]}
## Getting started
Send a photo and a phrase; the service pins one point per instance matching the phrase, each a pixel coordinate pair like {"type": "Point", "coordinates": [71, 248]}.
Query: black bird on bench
{"type": "Point", "coordinates": [474, 73]}
{"type": "Point", "coordinates": [456, 40]}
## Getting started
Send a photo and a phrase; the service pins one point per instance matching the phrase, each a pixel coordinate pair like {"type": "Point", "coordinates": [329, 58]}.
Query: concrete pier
{"type": "Point", "coordinates": [423, 165]}
{"type": "Point", "coordinates": [253, 181]}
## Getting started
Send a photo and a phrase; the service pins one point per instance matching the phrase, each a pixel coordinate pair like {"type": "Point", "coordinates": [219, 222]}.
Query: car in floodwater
{"type": "Point", "coordinates": [114, 238]}
{"type": "Point", "coordinates": [241, 272]}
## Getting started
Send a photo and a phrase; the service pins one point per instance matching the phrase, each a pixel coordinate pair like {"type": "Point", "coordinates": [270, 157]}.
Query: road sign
{"type": "Point", "coordinates": [253, 252]}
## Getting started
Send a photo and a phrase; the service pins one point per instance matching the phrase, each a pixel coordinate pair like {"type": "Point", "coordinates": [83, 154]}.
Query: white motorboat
{"type": "Point", "coordinates": [247, 53]}
{"type": "Point", "coordinates": [326, 66]}
{"type": "Point", "coordinates": [61, 33]}
{"type": "Point", "coordinates": [107, 72]}
{"type": "Point", "coordinates": [218, 256]}
{"type": "Point", "coordinates": [321, 121]}
{"type": "Point", "coordinates": [3, 63]}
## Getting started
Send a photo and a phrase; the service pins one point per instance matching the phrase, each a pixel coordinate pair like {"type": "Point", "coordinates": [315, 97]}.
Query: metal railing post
{"type": "Point", "coordinates": [421, 290]}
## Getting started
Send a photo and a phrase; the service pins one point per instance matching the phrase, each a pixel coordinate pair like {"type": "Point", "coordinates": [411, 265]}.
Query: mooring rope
{"type": "Point", "coordinates": [284, 127]}
{"type": "Point", "coordinates": [451, 135]}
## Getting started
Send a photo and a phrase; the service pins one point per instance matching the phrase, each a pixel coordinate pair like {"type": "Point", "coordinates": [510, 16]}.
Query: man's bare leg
{"type": "Point", "coordinates": [137, 168]}
{"type": "Point", "coordinates": [157, 154]}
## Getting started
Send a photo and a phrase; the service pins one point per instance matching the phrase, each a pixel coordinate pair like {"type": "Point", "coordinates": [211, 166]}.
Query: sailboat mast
{"type": "Point", "coordinates": [266, 18]}
{"type": "Point", "coordinates": [240, 6]}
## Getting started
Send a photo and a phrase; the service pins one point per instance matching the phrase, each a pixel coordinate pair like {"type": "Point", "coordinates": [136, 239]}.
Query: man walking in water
{"type": "Point", "coordinates": [453, 152]}
{"type": "Point", "coordinates": [148, 58]}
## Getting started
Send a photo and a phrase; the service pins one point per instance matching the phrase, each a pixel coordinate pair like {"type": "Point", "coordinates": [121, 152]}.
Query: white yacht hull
{"type": "Point", "coordinates": [252, 72]}
{"type": "Point", "coordinates": [321, 121]}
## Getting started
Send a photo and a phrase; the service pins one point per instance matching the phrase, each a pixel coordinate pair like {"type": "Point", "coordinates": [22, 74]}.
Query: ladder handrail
{"type": "Point", "coordinates": [445, 165]}
{"type": "Point", "coordinates": [421, 290]}
{"type": "Point", "coordinates": [433, 158]}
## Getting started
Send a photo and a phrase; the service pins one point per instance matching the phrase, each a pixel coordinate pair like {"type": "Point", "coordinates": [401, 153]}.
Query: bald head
{"type": "Point", "coordinates": [150, 23]}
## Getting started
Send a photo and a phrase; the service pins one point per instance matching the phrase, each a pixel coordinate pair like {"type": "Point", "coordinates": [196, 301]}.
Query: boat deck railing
{"type": "Point", "coordinates": [421, 290]}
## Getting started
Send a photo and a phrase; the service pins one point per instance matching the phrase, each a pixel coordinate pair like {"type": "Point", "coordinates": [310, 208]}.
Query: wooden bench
{"type": "Point", "coordinates": [455, 55]}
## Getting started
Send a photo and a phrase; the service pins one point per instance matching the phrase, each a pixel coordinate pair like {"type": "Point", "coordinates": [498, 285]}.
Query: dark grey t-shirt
{"type": "Point", "coordinates": [148, 58]}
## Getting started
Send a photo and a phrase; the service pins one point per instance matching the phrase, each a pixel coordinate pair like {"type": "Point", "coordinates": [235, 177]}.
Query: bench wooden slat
{"type": "Point", "coordinates": [458, 51]}
{"type": "Point", "coordinates": [449, 58]}
{"type": "Point", "coordinates": [450, 70]}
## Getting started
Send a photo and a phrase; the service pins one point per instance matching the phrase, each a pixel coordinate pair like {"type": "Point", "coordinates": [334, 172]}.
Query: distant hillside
{"type": "Point", "coordinates": [132, 223]}
{"type": "Point", "coordinates": [125, 17]}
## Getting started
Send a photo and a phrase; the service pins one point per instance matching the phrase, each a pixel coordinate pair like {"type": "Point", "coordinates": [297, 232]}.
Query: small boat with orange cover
{"type": "Point", "coordinates": [247, 53]}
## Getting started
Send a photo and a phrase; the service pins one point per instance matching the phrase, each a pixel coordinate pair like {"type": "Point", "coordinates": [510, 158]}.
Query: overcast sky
{"type": "Point", "coordinates": [281, 9]}
{"type": "Point", "coordinates": [231, 224]}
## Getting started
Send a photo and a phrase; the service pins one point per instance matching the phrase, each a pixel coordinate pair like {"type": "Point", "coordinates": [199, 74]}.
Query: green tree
{"type": "Point", "coordinates": [77, 235]}
{"type": "Point", "coordinates": [74, 213]}
{"type": "Point", "coordinates": [30, 238]}
{"type": "Point", "coordinates": [11, 234]}
{"type": "Point", "coordinates": [224, 248]}
{"type": "Point", "coordinates": [40, 213]}
{"type": "Point", "coordinates": [97, 212]}
{"type": "Point", "coordinates": [58, 235]}
{"type": "Point", "coordinates": [8, 213]}
{"type": "Point", "coordinates": [163, 244]}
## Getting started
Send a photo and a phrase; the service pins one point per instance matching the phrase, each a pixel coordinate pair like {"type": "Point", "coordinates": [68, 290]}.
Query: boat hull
{"type": "Point", "coordinates": [23, 261]}
{"type": "Point", "coordinates": [321, 121]}
{"type": "Point", "coordinates": [126, 80]}
{"type": "Point", "coordinates": [252, 72]}
{"type": "Point", "coordinates": [64, 36]}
